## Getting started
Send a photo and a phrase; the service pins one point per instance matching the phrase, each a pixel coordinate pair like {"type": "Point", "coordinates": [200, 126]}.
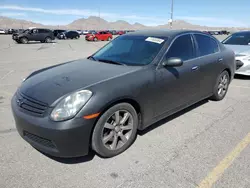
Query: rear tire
{"type": "Point", "coordinates": [24, 40]}
{"type": "Point", "coordinates": [221, 86]}
{"type": "Point", "coordinates": [115, 131]}
{"type": "Point", "coordinates": [48, 40]}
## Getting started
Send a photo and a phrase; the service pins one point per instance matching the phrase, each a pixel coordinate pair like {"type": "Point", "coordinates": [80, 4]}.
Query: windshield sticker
{"type": "Point", "coordinates": [155, 40]}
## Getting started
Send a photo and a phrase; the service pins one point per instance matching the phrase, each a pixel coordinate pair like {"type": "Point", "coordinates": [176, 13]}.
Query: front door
{"type": "Point", "coordinates": [34, 35]}
{"type": "Point", "coordinates": [177, 86]}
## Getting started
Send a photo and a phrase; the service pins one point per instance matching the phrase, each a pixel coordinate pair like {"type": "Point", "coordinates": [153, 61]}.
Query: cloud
{"type": "Point", "coordinates": [210, 21]}
{"type": "Point", "coordinates": [80, 12]}
{"type": "Point", "coordinates": [213, 21]}
{"type": "Point", "coordinates": [13, 14]}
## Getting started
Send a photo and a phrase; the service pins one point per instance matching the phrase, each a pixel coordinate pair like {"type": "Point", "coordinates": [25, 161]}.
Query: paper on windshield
{"type": "Point", "coordinates": [155, 40]}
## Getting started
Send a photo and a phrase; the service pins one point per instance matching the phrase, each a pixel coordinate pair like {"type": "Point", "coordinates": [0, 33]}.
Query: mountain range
{"type": "Point", "coordinates": [97, 23]}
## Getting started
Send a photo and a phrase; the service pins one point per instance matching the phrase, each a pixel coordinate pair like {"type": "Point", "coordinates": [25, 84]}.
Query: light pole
{"type": "Point", "coordinates": [172, 13]}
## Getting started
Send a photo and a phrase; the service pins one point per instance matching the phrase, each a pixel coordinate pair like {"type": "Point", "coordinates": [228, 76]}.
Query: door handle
{"type": "Point", "coordinates": [220, 59]}
{"type": "Point", "coordinates": [195, 68]}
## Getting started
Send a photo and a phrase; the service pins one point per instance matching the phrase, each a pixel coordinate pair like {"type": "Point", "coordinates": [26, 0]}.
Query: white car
{"type": "Point", "coordinates": [85, 32]}
{"type": "Point", "coordinates": [2, 31]}
{"type": "Point", "coordinates": [240, 43]}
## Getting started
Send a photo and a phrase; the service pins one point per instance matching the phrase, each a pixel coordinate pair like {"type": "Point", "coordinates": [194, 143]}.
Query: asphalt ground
{"type": "Point", "coordinates": [206, 145]}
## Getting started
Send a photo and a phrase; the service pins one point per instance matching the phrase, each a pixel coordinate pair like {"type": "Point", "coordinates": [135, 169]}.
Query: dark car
{"type": "Point", "coordinates": [58, 31]}
{"type": "Point", "coordinates": [133, 81]}
{"type": "Point", "coordinates": [69, 35]}
{"type": "Point", "coordinates": [36, 34]}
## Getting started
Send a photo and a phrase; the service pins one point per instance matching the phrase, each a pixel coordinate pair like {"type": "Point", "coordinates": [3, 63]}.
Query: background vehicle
{"type": "Point", "coordinates": [224, 32]}
{"type": "Point", "coordinates": [120, 32]}
{"type": "Point", "coordinates": [240, 43]}
{"type": "Point", "coordinates": [172, 69]}
{"type": "Point", "coordinates": [102, 35]}
{"type": "Point", "coordinates": [36, 34]}
{"type": "Point", "coordinates": [80, 32]}
{"type": "Point", "coordinates": [85, 32]}
{"type": "Point", "coordinates": [58, 31]}
{"type": "Point", "coordinates": [2, 31]}
{"type": "Point", "coordinates": [68, 35]}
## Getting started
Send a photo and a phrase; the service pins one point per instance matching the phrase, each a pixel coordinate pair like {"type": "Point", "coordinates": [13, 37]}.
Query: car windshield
{"type": "Point", "coordinates": [238, 39]}
{"type": "Point", "coordinates": [131, 50]}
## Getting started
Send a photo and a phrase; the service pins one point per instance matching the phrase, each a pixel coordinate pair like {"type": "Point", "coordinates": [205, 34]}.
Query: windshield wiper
{"type": "Point", "coordinates": [111, 62]}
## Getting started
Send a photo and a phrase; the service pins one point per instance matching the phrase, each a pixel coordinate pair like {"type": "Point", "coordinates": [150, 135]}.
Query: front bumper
{"type": "Point", "coordinates": [242, 67]}
{"type": "Point", "coordinates": [61, 139]}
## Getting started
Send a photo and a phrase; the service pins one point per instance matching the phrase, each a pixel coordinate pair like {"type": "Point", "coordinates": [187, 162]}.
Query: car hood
{"type": "Point", "coordinates": [239, 49]}
{"type": "Point", "coordinates": [49, 84]}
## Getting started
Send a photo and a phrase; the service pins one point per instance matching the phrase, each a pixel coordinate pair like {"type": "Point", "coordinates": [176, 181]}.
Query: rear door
{"type": "Point", "coordinates": [209, 59]}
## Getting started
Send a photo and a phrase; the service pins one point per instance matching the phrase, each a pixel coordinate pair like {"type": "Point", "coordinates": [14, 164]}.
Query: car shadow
{"type": "Point", "coordinates": [241, 77]}
{"type": "Point", "coordinates": [72, 160]}
{"type": "Point", "coordinates": [171, 117]}
{"type": "Point", "coordinates": [37, 42]}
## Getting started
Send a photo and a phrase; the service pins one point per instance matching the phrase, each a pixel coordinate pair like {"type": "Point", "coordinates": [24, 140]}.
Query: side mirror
{"type": "Point", "coordinates": [173, 62]}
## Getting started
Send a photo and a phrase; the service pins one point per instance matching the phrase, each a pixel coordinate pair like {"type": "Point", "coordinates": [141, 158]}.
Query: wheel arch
{"type": "Point", "coordinates": [229, 72]}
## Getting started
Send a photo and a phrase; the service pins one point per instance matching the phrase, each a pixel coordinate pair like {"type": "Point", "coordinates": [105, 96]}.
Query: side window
{"type": "Point", "coordinates": [43, 31]}
{"type": "Point", "coordinates": [35, 31]}
{"type": "Point", "coordinates": [182, 48]}
{"type": "Point", "coordinates": [206, 45]}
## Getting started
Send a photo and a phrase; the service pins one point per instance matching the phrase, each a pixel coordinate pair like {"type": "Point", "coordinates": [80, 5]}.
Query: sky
{"type": "Point", "coordinates": [227, 13]}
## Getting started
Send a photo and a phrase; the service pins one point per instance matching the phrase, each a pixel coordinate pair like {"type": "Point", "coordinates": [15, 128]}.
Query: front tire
{"type": "Point", "coordinates": [24, 40]}
{"type": "Point", "coordinates": [221, 86]}
{"type": "Point", "coordinates": [115, 131]}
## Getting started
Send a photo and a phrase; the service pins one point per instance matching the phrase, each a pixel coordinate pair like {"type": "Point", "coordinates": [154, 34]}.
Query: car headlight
{"type": "Point", "coordinates": [70, 105]}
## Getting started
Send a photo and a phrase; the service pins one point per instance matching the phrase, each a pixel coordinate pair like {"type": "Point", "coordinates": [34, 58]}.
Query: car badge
{"type": "Point", "coordinates": [20, 102]}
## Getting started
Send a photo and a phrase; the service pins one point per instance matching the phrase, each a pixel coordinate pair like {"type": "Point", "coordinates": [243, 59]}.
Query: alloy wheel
{"type": "Point", "coordinates": [223, 85]}
{"type": "Point", "coordinates": [117, 130]}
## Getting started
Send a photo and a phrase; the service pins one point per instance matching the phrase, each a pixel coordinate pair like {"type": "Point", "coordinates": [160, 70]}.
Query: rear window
{"type": "Point", "coordinates": [206, 45]}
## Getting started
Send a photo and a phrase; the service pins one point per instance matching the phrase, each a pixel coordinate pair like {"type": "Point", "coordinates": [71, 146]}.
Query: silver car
{"type": "Point", "coordinates": [240, 43]}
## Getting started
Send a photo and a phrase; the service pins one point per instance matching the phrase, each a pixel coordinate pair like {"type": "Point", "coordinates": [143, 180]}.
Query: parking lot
{"type": "Point", "coordinates": [206, 144]}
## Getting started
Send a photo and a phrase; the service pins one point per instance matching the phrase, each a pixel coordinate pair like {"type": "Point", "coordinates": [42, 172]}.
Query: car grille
{"type": "Point", "coordinates": [239, 64]}
{"type": "Point", "coordinates": [30, 105]}
{"type": "Point", "coordinates": [39, 140]}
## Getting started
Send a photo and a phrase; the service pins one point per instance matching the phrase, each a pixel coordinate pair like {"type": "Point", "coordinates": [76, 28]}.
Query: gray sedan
{"type": "Point", "coordinates": [135, 80]}
{"type": "Point", "coordinates": [240, 43]}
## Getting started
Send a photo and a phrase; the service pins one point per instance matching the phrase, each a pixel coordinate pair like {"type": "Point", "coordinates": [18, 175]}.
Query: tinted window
{"type": "Point", "coordinates": [182, 48]}
{"type": "Point", "coordinates": [131, 50]}
{"type": "Point", "coordinates": [206, 45]}
{"type": "Point", "coordinates": [238, 39]}
{"type": "Point", "coordinates": [43, 31]}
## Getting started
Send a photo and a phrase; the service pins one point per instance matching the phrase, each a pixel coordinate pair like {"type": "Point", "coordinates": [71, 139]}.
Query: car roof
{"type": "Point", "coordinates": [163, 33]}
{"type": "Point", "coordinates": [242, 32]}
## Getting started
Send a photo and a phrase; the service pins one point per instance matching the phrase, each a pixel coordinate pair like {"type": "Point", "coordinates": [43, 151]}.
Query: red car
{"type": "Point", "coordinates": [120, 32]}
{"type": "Point", "coordinates": [102, 35]}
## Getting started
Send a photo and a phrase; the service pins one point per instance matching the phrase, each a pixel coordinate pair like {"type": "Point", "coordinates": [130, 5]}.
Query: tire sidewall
{"type": "Point", "coordinates": [216, 96]}
{"type": "Point", "coordinates": [24, 40]}
{"type": "Point", "coordinates": [97, 144]}
{"type": "Point", "coordinates": [48, 40]}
